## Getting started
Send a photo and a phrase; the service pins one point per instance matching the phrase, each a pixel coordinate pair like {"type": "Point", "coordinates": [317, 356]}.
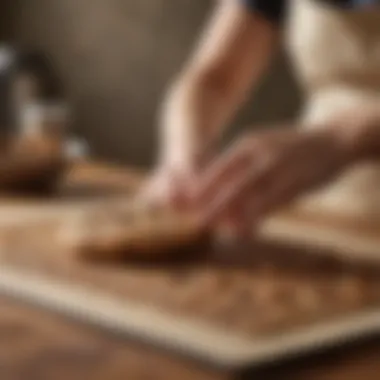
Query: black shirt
{"type": "Point", "coordinates": [275, 10]}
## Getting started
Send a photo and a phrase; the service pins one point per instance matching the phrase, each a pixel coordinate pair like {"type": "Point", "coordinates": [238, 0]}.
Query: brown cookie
{"type": "Point", "coordinates": [136, 234]}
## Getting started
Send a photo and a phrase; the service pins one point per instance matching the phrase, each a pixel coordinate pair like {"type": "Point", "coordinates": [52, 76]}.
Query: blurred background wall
{"type": "Point", "coordinates": [117, 56]}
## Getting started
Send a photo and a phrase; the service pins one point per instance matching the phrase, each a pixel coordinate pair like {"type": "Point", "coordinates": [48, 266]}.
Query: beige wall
{"type": "Point", "coordinates": [117, 56]}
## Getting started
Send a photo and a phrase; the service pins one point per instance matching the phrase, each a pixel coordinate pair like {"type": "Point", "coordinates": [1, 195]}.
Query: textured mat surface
{"type": "Point", "coordinates": [38, 345]}
{"type": "Point", "coordinates": [240, 306]}
{"type": "Point", "coordinates": [224, 308]}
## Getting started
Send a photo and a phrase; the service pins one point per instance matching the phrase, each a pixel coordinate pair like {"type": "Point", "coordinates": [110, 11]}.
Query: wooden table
{"type": "Point", "coordinates": [39, 345]}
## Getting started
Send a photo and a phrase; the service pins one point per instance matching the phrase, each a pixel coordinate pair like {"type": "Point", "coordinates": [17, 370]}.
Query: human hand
{"type": "Point", "coordinates": [169, 186]}
{"type": "Point", "coordinates": [172, 181]}
{"type": "Point", "coordinates": [261, 172]}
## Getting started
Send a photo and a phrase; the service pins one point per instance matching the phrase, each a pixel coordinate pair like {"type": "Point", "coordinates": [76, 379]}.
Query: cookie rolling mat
{"type": "Point", "coordinates": [230, 310]}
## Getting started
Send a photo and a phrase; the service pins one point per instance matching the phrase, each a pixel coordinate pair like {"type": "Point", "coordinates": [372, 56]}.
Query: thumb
{"type": "Point", "coordinates": [181, 190]}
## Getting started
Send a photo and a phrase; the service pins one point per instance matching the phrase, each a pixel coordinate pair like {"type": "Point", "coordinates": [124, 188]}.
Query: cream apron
{"type": "Point", "coordinates": [336, 55]}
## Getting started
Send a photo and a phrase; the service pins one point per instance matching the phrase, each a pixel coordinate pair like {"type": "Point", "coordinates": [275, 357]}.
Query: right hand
{"type": "Point", "coordinates": [176, 174]}
{"type": "Point", "coordinates": [169, 186]}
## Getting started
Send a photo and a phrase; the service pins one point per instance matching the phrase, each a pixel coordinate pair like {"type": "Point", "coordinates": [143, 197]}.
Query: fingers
{"type": "Point", "coordinates": [261, 171]}
{"type": "Point", "coordinates": [261, 188]}
{"type": "Point", "coordinates": [264, 192]}
{"type": "Point", "coordinates": [251, 183]}
{"type": "Point", "coordinates": [168, 188]}
{"type": "Point", "coordinates": [223, 171]}
{"type": "Point", "coordinates": [244, 214]}
{"type": "Point", "coordinates": [225, 197]}
{"type": "Point", "coordinates": [232, 226]}
{"type": "Point", "coordinates": [157, 190]}
{"type": "Point", "coordinates": [242, 221]}
{"type": "Point", "coordinates": [180, 192]}
{"type": "Point", "coordinates": [244, 163]}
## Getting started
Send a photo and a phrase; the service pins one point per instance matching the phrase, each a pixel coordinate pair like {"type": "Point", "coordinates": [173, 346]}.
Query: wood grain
{"type": "Point", "coordinates": [39, 345]}
{"type": "Point", "coordinates": [35, 344]}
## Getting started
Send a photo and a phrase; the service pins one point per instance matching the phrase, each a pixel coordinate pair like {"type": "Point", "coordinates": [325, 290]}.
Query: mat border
{"type": "Point", "coordinates": [186, 337]}
{"type": "Point", "coordinates": [340, 242]}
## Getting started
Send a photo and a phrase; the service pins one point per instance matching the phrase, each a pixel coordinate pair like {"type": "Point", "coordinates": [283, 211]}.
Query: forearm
{"type": "Point", "coordinates": [195, 113]}
{"type": "Point", "coordinates": [229, 59]}
{"type": "Point", "coordinates": [202, 104]}
{"type": "Point", "coordinates": [359, 133]}
{"type": "Point", "coordinates": [368, 146]}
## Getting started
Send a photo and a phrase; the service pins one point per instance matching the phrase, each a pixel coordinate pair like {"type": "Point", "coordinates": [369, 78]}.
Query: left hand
{"type": "Point", "coordinates": [263, 171]}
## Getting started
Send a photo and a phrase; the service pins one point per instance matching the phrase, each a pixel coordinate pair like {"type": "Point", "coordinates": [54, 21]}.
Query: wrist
{"type": "Point", "coordinates": [185, 151]}
{"type": "Point", "coordinates": [358, 134]}
{"type": "Point", "coordinates": [369, 137]}
{"type": "Point", "coordinates": [184, 156]}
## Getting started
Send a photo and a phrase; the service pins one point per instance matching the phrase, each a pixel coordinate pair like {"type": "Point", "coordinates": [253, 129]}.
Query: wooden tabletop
{"type": "Point", "coordinates": [38, 345]}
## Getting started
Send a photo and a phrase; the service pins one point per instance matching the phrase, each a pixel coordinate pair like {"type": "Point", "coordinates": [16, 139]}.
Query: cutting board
{"type": "Point", "coordinates": [191, 309]}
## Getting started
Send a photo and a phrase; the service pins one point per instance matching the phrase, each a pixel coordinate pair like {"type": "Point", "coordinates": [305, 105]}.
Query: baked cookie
{"type": "Point", "coordinates": [135, 232]}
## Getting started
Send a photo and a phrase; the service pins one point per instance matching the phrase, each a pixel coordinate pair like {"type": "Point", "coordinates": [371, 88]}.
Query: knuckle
{"type": "Point", "coordinates": [246, 143]}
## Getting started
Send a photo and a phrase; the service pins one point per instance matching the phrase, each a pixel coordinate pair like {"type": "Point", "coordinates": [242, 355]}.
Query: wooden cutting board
{"type": "Point", "coordinates": [228, 314]}
{"type": "Point", "coordinates": [192, 308]}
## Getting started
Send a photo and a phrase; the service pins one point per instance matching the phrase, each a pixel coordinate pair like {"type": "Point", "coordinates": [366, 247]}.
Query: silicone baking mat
{"type": "Point", "coordinates": [231, 308]}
